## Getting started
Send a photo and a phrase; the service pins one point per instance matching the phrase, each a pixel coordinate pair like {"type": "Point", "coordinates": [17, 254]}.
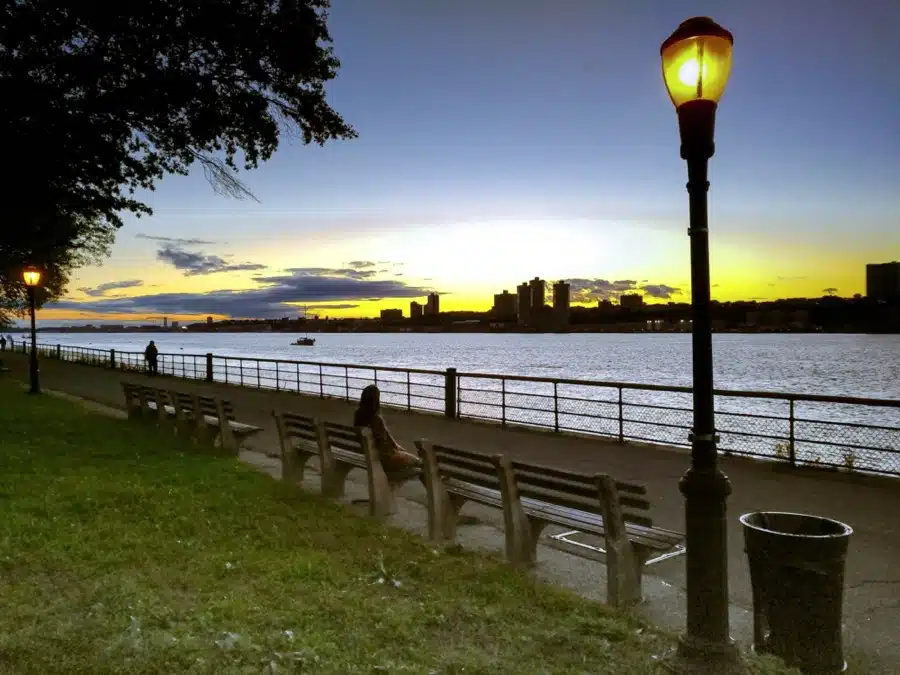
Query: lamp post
{"type": "Point", "coordinates": [696, 62]}
{"type": "Point", "coordinates": [32, 277]}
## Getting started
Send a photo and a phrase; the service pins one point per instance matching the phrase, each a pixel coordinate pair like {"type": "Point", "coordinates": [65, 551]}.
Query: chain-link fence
{"type": "Point", "coordinates": [855, 434]}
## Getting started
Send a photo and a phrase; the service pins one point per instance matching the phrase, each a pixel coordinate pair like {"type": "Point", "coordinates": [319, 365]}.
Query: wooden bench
{"type": "Point", "coordinates": [452, 478]}
{"type": "Point", "coordinates": [205, 418]}
{"type": "Point", "coordinates": [533, 496]}
{"type": "Point", "coordinates": [298, 438]}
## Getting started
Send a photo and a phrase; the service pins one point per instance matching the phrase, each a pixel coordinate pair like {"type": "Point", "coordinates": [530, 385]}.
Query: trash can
{"type": "Point", "coordinates": [797, 573]}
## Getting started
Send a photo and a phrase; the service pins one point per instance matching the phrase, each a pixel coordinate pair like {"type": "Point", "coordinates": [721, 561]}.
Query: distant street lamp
{"type": "Point", "coordinates": [32, 277]}
{"type": "Point", "coordinates": [696, 62]}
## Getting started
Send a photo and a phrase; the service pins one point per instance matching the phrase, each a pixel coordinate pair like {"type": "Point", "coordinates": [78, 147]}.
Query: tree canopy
{"type": "Point", "coordinates": [100, 100]}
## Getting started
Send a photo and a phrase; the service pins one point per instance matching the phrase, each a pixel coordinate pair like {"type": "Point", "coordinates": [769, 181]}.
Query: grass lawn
{"type": "Point", "coordinates": [126, 551]}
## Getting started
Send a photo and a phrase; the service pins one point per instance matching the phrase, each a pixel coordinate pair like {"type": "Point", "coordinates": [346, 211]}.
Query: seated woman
{"type": "Point", "coordinates": [398, 463]}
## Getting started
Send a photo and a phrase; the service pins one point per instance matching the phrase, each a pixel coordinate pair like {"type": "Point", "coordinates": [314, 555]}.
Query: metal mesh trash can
{"type": "Point", "coordinates": [797, 572]}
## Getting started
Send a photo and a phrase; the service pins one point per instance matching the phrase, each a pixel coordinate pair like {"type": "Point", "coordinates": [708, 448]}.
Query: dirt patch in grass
{"type": "Point", "coordinates": [125, 550]}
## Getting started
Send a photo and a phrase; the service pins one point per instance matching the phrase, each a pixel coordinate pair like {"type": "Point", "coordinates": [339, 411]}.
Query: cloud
{"type": "Point", "coordinates": [279, 295]}
{"type": "Point", "coordinates": [194, 264]}
{"type": "Point", "coordinates": [361, 264]}
{"type": "Point", "coordinates": [349, 272]}
{"type": "Point", "coordinates": [101, 290]}
{"type": "Point", "coordinates": [660, 291]}
{"type": "Point", "coordinates": [782, 279]}
{"type": "Point", "coordinates": [591, 290]}
{"type": "Point", "coordinates": [174, 240]}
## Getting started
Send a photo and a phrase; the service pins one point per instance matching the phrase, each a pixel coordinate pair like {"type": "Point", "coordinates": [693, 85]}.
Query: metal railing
{"type": "Point", "coordinates": [856, 434]}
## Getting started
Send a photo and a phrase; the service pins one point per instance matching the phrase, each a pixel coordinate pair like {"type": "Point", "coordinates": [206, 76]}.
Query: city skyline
{"type": "Point", "coordinates": [456, 186]}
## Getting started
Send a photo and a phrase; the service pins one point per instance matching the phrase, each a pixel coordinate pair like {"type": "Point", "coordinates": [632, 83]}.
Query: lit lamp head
{"type": "Point", "coordinates": [31, 276]}
{"type": "Point", "coordinates": [696, 63]}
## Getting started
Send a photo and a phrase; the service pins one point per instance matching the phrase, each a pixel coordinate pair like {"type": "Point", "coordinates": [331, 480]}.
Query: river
{"type": "Point", "coordinates": [830, 364]}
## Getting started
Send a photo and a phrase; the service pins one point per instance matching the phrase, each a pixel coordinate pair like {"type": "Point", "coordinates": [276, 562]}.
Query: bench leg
{"type": "Point", "coordinates": [522, 537]}
{"type": "Point", "coordinates": [624, 573]}
{"type": "Point", "coordinates": [382, 493]}
{"type": "Point", "coordinates": [293, 465]}
{"type": "Point", "coordinates": [334, 480]}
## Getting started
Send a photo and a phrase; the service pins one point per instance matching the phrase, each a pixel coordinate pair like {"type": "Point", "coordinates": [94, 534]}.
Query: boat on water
{"type": "Point", "coordinates": [305, 342]}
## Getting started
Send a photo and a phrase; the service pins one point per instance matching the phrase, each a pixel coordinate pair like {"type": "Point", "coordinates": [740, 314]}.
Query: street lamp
{"type": "Point", "coordinates": [696, 62]}
{"type": "Point", "coordinates": [32, 277]}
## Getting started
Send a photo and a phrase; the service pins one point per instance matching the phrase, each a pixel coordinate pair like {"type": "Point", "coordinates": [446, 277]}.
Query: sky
{"type": "Point", "coordinates": [501, 140]}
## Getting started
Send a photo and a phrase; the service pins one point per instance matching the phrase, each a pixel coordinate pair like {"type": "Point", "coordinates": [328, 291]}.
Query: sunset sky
{"type": "Point", "coordinates": [503, 140]}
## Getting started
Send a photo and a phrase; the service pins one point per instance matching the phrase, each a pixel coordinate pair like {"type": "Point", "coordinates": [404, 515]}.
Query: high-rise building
{"type": "Point", "coordinates": [883, 281]}
{"type": "Point", "coordinates": [561, 296]}
{"type": "Point", "coordinates": [209, 321]}
{"type": "Point", "coordinates": [415, 310]}
{"type": "Point", "coordinates": [631, 300]}
{"type": "Point", "coordinates": [538, 293]}
{"type": "Point", "coordinates": [523, 303]}
{"type": "Point", "coordinates": [433, 304]}
{"type": "Point", "coordinates": [165, 322]}
{"type": "Point", "coordinates": [561, 301]}
{"type": "Point", "coordinates": [505, 305]}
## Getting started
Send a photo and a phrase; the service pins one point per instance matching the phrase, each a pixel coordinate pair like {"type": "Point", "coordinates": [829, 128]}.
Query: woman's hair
{"type": "Point", "coordinates": [369, 405]}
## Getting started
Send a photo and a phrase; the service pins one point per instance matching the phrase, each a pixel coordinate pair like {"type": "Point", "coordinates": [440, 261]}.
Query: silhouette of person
{"type": "Point", "coordinates": [2, 343]}
{"type": "Point", "coordinates": [398, 463]}
{"type": "Point", "coordinates": [151, 354]}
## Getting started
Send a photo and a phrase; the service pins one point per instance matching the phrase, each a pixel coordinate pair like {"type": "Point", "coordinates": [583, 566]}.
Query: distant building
{"type": "Point", "coordinates": [523, 303]}
{"type": "Point", "coordinates": [605, 304]}
{"type": "Point", "coordinates": [415, 310]}
{"type": "Point", "coordinates": [561, 296]}
{"type": "Point", "coordinates": [505, 305]}
{"type": "Point", "coordinates": [209, 321]}
{"type": "Point", "coordinates": [433, 304]}
{"type": "Point", "coordinates": [883, 281]}
{"type": "Point", "coordinates": [392, 315]}
{"type": "Point", "coordinates": [165, 322]}
{"type": "Point", "coordinates": [631, 300]}
{"type": "Point", "coordinates": [175, 324]}
{"type": "Point", "coordinates": [538, 293]}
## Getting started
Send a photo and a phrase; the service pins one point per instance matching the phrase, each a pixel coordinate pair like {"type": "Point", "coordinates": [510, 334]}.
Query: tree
{"type": "Point", "coordinates": [99, 100]}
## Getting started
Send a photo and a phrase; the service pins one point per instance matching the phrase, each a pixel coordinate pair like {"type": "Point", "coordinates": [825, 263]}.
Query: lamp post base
{"type": "Point", "coordinates": [698, 657]}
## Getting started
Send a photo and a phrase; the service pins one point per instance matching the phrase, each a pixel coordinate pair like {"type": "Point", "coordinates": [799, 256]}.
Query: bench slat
{"type": "Point", "coordinates": [475, 493]}
{"type": "Point", "coordinates": [354, 458]}
{"type": "Point", "coordinates": [655, 539]}
{"type": "Point", "coordinates": [546, 472]}
{"type": "Point", "coordinates": [454, 453]}
{"type": "Point", "coordinates": [474, 477]}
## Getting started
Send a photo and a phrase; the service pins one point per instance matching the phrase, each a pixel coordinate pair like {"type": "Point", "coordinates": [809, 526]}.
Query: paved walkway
{"type": "Point", "coordinates": [870, 505]}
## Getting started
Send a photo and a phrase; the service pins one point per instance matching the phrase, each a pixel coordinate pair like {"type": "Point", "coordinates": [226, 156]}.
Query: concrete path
{"type": "Point", "coordinates": [870, 505]}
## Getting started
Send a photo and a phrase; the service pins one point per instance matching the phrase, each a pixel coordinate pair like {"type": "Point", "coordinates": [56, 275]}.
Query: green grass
{"type": "Point", "coordinates": [126, 551]}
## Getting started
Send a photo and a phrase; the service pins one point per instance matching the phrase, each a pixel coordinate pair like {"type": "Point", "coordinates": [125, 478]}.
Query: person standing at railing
{"type": "Point", "coordinates": [2, 343]}
{"type": "Point", "coordinates": [398, 463]}
{"type": "Point", "coordinates": [151, 354]}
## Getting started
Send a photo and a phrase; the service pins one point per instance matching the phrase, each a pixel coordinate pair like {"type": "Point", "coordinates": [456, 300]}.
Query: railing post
{"type": "Point", "coordinates": [112, 358]}
{"type": "Point", "coordinates": [556, 407]}
{"type": "Point", "coordinates": [298, 378]}
{"type": "Point", "coordinates": [346, 383]}
{"type": "Point", "coordinates": [621, 417]}
{"type": "Point", "coordinates": [503, 401]}
{"type": "Point", "coordinates": [209, 368]}
{"type": "Point", "coordinates": [321, 383]}
{"type": "Point", "coordinates": [277, 378]}
{"type": "Point", "coordinates": [408, 392]}
{"type": "Point", "coordinates": [450, 398]}
{"type": "Point", "coordinates": [792, 452]}
{"type": "Point", "coordinates": [258, 375]}
{"type": "Point", "coordinates": [59, 352]}
{"type": "Point", "coordinates": [241, 371]}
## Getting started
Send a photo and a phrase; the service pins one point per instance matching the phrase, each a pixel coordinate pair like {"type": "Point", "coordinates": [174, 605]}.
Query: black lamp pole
{"type": "Point", "coordinates": [707, 646]}
{"type": "Point", "coordinates": [33, 372]}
